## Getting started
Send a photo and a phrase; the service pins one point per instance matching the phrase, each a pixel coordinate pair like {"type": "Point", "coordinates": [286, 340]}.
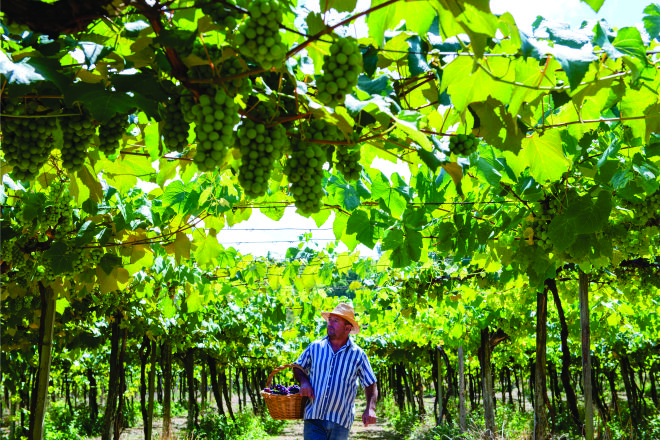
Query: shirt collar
{"type": "Point", "coordinates": [346, 345]}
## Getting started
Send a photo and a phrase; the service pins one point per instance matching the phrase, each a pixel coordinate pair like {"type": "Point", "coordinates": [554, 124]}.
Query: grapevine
{"type": "Point", "coordinates": [77, 133]}
{"type": "Point", "coordinates": [176, 127]}
{"type": "Point", "coordinates": [27, 141]}
{"type": "Point", "coordinates": [348, 161]}
{"type": "Point", "coordinates": [225, 14]}
{"type": "Point", "coordinates": [340, 72]}
{"type": "Point", "coordinates": [112, 132]}
{"type": "Point", "coordinates": [215, 118]}
{"type": "Point", "coordinates": [463, 144]}
{"type": "Point", "coordinates": [237, 86]}
{"type": "Point", "coordinates": [305, 172]}
{"type": "Point", "coordinates": [260, 146]}
{"type": "Point", "coordinates": [258, 37]}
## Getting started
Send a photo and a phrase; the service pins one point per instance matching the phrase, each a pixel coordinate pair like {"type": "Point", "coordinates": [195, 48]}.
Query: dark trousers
{"type": "Point", "coordinates": [324, 430]}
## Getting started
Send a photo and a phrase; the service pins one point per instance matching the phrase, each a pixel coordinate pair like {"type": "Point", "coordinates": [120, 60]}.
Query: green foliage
{"type": "Point", "coordinates": [247, 426]}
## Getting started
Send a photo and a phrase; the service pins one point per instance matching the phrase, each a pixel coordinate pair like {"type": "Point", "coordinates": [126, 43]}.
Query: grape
{"type": "Point", "coordinates": [347, 161]}
{"type": "Point", "coordinates": [111, 132]}
{"type": "Point", "coordinates": [305, 172]}
{"type": "Point", "coordinates": [207, 51]}
{"type": "Point", "coordinates": [28, 140]}
{"type": "Point", "coordinates": [77, 133]}
{"type": "Point", "coordinates": [258, 37]}
{"type": "Point", "coordinates": [175, 127]}
{"type": "Point", "coordinates": [341, 70]}
{"type": "Point", "coordinates": [237, 86]}
{"type": "Point", "coordinates": [463, 144]}
{"type": "Point", "coordinates": [260, 147]}
{"type": "Point", "coordinates": [215, 118]}
{"type": "Point", "coordinates": [224, 13]}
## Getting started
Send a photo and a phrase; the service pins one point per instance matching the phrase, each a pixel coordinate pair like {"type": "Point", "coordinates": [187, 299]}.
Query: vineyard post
{"type": "Point", "coordinates": [461, 388]}
{"type": "Point", "coordinates": [151, 386]}
{"type": "Point", "coordinates": [439, 394]}
{"type": "Point", "coordinates": [540, 420]}
{"type": "Point", "coordinates": [40, 391]}
{"type": "Point", "coordinates": [586, 355]}
{"type": "Point", "coordinates": [487, 383]}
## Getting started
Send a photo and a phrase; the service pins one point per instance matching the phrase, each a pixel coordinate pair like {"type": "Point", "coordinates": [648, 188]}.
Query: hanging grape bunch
{"type": "Point", "coordinates": [237, 86]}
{"type": "Point", "coordinates": [340, 72]}
{"type": "Point", "coordinates": [111, 132]}
{"type": "Point", "coordinates": [260, 146]}
{"type": "Point", "coordinates": [258, 37]}
{"type": "Point", "coordinates": [208, 52]}
{"type": "Point", "coordinates": [463, 144]}
{"type": "Point", "coordinates": [28, 139]}
{"type": "Point", "coordinates": [225, 14]}
{"type": "Point", "coordinates": [176, 126]}
{"type": "Point", "coordinates": [304, 169]}
{"type": "Point", "coordinates": [215, 118]}
{"type": "Point", "coordinates": [77, 133]}
{"type": "Point", "coordinates": [647, 211]}
{"type": "Point", "coordinates": [347, 161]}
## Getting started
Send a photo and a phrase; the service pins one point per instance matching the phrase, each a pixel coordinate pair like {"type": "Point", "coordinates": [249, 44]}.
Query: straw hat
{"type": "Point", "coordinates": [345, 311]}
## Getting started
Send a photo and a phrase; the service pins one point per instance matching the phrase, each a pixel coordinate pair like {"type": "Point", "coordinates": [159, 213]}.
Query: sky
{"type": "Point", "coordinates": [260, 236]}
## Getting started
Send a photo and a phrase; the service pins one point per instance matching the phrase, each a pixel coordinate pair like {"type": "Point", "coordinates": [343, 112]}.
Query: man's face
{"type": "Point", "coordinates": [338, 327]}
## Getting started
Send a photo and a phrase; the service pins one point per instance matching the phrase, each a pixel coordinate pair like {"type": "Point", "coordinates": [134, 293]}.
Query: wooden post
{"type": "Point", "coordinates": [586, 355]}
{"type": "Point", "coordinates": [40, 390]}
{"type": "Point", "coordinates": [540, 420]}
{"type": "Point", "coordinates": [487, 383]}
{"type": "Point", "coordinates": [439, 396]}
{"type": "Point", "coordinates": [151, 391]}
{"type": "Point", "coordinates": [461, 389]}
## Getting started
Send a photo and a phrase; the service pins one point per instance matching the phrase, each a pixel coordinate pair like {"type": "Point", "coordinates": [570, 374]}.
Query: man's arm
{"type": "Point", "coordinates": [371, 394]}
{"type": "Point", "coordinates": [305, 387]}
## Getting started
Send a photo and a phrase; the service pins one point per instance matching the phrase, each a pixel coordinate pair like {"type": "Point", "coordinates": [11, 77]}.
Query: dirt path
{"type": "Point", "coordinates": [379, 431]}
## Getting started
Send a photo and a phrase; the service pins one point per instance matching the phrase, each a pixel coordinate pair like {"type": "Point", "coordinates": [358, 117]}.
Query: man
{"type": "Point", "coordinates": [334, 364]}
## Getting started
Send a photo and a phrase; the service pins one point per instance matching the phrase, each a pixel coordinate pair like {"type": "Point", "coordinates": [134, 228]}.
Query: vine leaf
{"type": "Point", "coordinates": [595, 4]}
{"type": "Point", "coordinates": [628, 41]}
{"type": "Point", "coordinates": [344, 5]}
{"type": "Point", "coordinates": [359, 223]}
{"type": "Point", "coordinates": [544, 156]}
{"type": "Point", "coordinates": [652, 20]}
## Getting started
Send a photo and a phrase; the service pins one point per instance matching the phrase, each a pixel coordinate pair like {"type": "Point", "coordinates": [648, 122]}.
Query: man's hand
{"type": "Point", "coordinates": [371, 394]}
{"type": "Point", "coordinates": [368, 417]}
{"type": "Point", "coordinates": [306, 389]}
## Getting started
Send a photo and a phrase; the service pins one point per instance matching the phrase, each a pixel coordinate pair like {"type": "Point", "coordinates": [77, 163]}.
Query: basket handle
{"type": "Point", "coordinates": [280, 368]}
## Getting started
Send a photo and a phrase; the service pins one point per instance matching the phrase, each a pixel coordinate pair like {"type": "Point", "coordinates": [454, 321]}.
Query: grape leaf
{"type": "Point", "coordinates": [629, 42]}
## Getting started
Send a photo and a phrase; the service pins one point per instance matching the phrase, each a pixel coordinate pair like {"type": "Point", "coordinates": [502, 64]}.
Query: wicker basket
{"type": "Point", "coordinates": [289, 407]}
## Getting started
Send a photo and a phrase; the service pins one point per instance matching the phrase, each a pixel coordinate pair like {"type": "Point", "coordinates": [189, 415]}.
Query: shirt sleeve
{"type": "Point", "coordinates": [365, 372]}
{"type": "Point", "coordinates": [305, 358]}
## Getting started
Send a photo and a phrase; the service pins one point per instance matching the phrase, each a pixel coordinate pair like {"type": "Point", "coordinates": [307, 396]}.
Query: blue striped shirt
{"type": "Point", "coordinates": [333, 377]}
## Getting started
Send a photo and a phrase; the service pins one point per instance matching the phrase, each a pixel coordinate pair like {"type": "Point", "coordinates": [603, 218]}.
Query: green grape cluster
{"type": "Point", "coordinates": [347, 161]}
{"type": "Point", "coordinates": [260, 146]}
{"type": "Point", "coordinates": [646, 211]}
{"type": "Point", "coordinates": [208, 52]}
{"type": "Point", "coordinates": [14, 249]}
{"type": "Point", "coordinates": [94, 256]}
{"type": "Point", "coordinates": [77, 133]}
{"type": "Point", "coordinates": [175, 127]}
{"type": "Point", "coordinates": [111, 132]}
{"type": "Point", "coordinates": [463, 144]}
{"type": "Point", "coordinates": [27, 139]}
{"type": "Point", "coordinates": [215, 118]}
{"type": "Point", "coordinates": [237, 86]}
{"type": "Point", "coordinates": [258, 37]}
{"type": "Point", "coordinates": [320, 130]}
{"type": "Point", "coordinates": [225, 14]}
{"type": "Point", "coordinates": [341, 69]}
{"type": "Point", "coordinates": [304, 169]}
